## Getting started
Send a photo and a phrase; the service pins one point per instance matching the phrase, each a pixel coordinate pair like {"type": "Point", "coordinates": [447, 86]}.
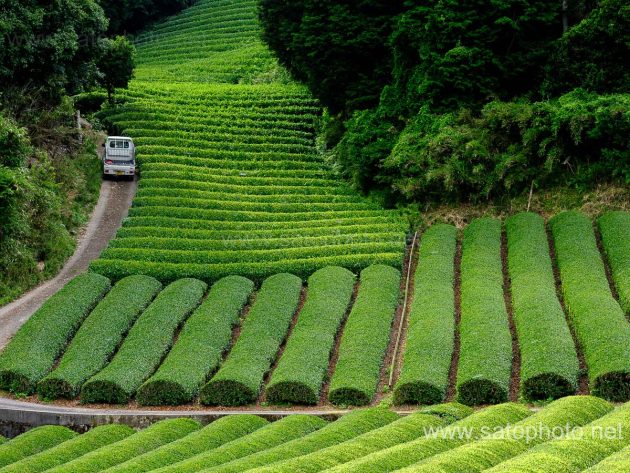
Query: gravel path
{"type": "Point", "coordinates": [112, 207]}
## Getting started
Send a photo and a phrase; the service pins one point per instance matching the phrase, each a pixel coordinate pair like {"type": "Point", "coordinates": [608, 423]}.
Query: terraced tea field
{"type": "Point", "coordinates": [566, 436]}
{"type": "Point", "coordinates": [232, 183]}
{"type": "Point", "coordinates": [492, 317]}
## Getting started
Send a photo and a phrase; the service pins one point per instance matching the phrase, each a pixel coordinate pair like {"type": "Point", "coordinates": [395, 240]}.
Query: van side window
{"type": "Point", "coordinates": [112, 144]}
{"type": "Point", "coordinates": [126, 145]}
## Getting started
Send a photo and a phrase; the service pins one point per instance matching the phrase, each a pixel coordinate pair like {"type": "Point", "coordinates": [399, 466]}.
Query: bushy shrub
{"type": "Point", "coordinates": [201, 343]}
{"type": "Point", "coordinates": [36, 346]}
{"type": "Point", "coordinates": [220, 432]}
{"type": "Point", "coordinates": [485, 361]}
{"type": "Point", "coordinates": [549, 363]}
{"type": "Point", "coordinates": [70, 449]}
{"type": "Point", "coordinates": [615, 231]}
{"type": "Point", "coordinates": [155, 436]}
{"type": "Point", "coordinates": [148, 341]}
{"type": "Point", "coordinates": [240, 378]}
{"type": "Point", "coordinates": [599, 321]}
{"type": "Point", "coordinates": [300, 373]}
{"type": "Point", "coordinates": [431, 327]}
{"type": "Point", "coordinates": [99, 336]}
{"type": "Point", "coordinates": [33, 442]}
{"type": "Point", "coordinates": [365, 337]}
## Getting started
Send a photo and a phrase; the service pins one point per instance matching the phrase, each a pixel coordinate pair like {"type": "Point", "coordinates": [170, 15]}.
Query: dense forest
{"type": "Point", "coordinates": [49, 178]}
{"type": "Point", "coordinates": [460, 101]}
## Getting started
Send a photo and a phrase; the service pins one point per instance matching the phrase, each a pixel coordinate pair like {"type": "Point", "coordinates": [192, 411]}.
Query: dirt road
{"type": "Point", "coordinates": [112, 207]}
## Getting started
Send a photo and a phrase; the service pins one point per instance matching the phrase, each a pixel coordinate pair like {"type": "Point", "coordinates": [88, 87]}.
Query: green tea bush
{"type": "Point", "coordinates": [616, 463]}
{"type": "Point", "coordinates": [214, 435]}
{"type": "Point", "coordinates": [276, 433]}
{"type": "Point", "coordinates": [399, 431]}
{"type": "Point", "coordinates": [568, 412]}
{"type": "Point", "coordinates": [155, 436]}
{"type": "Point", "coordinates": [299, 375]}
{"type": "Point", "coordinates": [70, 449]}
{"type": "Point", "coordinates": [598, 319]}
{"type": "Point", "coordinates": [485, 362]}
{"type": "Point", "coordinates": [431, 330]}
{"type": "Point", "coordinates": [281, 457]}
{"type": "Point", "coordinates": [33, 442]}
{"type": "Point", "coordinates": [408, 453]}
{"type": "Point", "coordinates": [201, 343]}
{"type": "Point", "coordinates": [549, 364]}
{"type": "Point", "coordinates": [146, 344]}
{"type": "Point", "coordinates": [365, 337]}
{"type": "Point", "coordinates": [240, 378]}
{"type": "Point", "coordinates": [99, 336]}
{"type": "Point", "coordinates": [615, 231]}
{"type": "Point", "coordinates": [576, 451]}
{"type": "Point", "coordinates": [35, 347]}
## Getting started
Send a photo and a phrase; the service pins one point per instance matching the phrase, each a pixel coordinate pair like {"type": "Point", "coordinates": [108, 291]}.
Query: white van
{"type": "Point", "coordinates": [119, 158]}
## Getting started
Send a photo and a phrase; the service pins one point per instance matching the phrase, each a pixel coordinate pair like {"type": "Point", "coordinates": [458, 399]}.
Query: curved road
{"type": "Point", "coordinates": [112, 207]}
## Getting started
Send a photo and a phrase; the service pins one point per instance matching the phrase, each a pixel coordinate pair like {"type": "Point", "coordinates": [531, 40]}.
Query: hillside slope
{"type": "Point", "coordinates": [231, 179]}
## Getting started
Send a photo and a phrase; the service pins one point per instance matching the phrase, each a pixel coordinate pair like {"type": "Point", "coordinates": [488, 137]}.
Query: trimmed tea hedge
{"type": "Point", "coordinates": [399, 431]}
{"type": "Point", "coordinates": [599, 321]}
{"type": "Point", "coordinates": [214, 435]}
{"type": "Point", "coordinates": [32, 442]}
{"type": "Point", "coordinates": [99, 336]}
{"type": "Point", "coordinates": [36, 346]}
{"type": "Point", "coordinates": [299, 376]}
{"type": "Point", "coordinates": [431, 331]}
{"type": "Point", "coordinates": [615, 231]}
{"type": "Point", "coordinates": [405, 454]}
{"type": "Point", "coordinates": [146, 344]}
{"type": "Point", "coordinates": [478, 456]}
{"type": "Point", "coordinates": [485, 362]}
{"type": "Point", "coordinates": [578, 450]}
{"type": "Point", "coordinates": [347, 427]}
{"type": "Point", "coordinates": [617, 463]}
{"type": "Point", "coordinates": [160, 433]}
{"type": "Point", "coordinates": [200, 346]}
{"type": "Point", "coordinates": [277, 433]}
{"type": "Point", "coordinates": [240, 378]}
{"type": "Point", "coordinates": [70, 449]}
{"type": "Point", "coordinates": [365, 337]}
{"type": "Point", "coordinates": [549, 364]}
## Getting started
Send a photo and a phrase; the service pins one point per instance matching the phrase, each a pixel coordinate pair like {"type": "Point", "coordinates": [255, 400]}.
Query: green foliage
{"type": "Point", "coordinates": [299, 376]}
{"type": "Point", "coordinates": [398, 431]}
{"type": "Point", "coordinates": [33, 442]}
{"type": "Point", "coordinates": [155, 436]}
{"type": "Point", "coordinates": [200, 345]}
{"type": "Point", "coordinates": [599, 321]}
{"type": "Point", "coordinates": [365, 337]}
{"type": "Point", "coordinates": [272, 435]}
{"type": "Point", "coordinates": [549, 364]}
{"type": "Point", "coordinates": [282, 457]}
{"type": "Point", "coordinates": [46, 333]}
{"type": "Point", "coordinates": [133, 16]}
{"type": "Point", "coordinates": [148, 341]}
{"type": "Point", "coordinates": [579, 450]}
{"type": "Point", "coordinates": [430, 333]}
{"type": "Point", "coordinates": [408, 453]}
{"type": "Point", "coordinates": [116, 64]}
{"type": "Point", "coordinates": [509, 145]}
{"type": "Point", "coordinates": [70, 449]}
{"type": "Point", "coordinates": [220, 432]}
{"type": "Point", "coordinates": [594, 54]}
{"type": "Point", "coordinates": [615, 231]}
{"type": "Point", "coordinates": [15, 146]}
{"type": "Point", "coordinates": [53, 47]}
{"type": "Point", "coordinates": [241, 376]}
{"type": "Point", "coordinates": [616, 463]}
{"type": "Point", "coordinates": [485, 362]}
{"type": "Point", "coordinates": [99, 336]}
{"type": "Point", "coordinates": [348, 38]}
{"type": "Point", "coordinates": [568, 412]}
